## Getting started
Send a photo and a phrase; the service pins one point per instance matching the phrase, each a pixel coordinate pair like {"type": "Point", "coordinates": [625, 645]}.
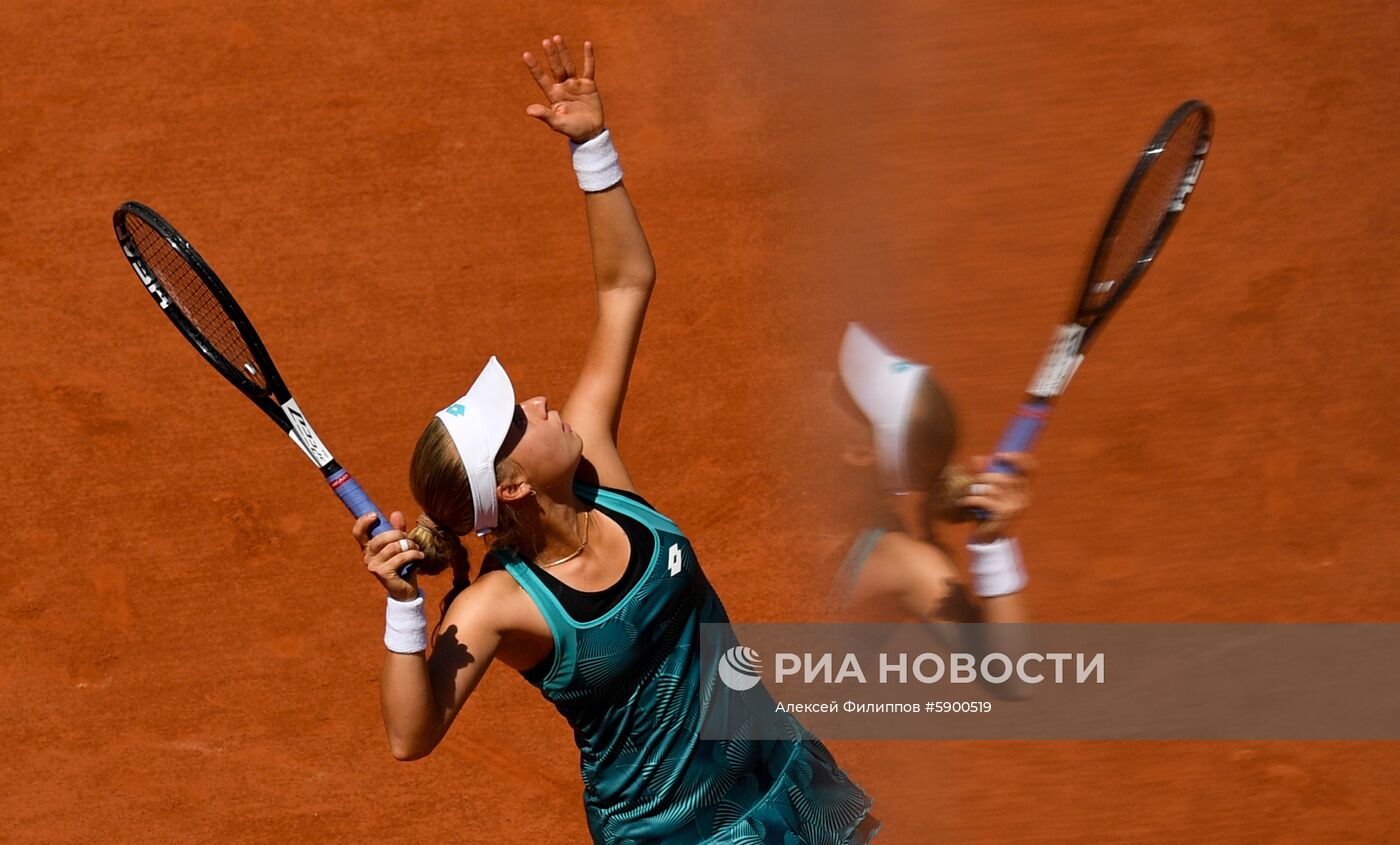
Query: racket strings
{"type": "Point", "coordinates": [191, 294]}
{"type": "Point", "coordinates": [1140, 223]}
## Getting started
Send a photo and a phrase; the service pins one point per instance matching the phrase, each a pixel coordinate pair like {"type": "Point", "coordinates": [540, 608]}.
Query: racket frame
{"type": "Point", "coordinates": [276, 400]}
{"type": "Point", "coordinates": [1072, 339]}
{"type": "Point", "coordinates": [1094, 318]}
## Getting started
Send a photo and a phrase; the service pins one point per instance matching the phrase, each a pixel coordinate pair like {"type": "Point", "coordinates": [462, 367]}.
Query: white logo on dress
{"type": "Point", "coordinates": [674, 564]}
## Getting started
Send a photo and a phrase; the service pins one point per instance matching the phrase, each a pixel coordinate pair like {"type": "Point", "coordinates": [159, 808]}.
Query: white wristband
{"type": "Point", "coordinates": [405, 626]}
{"type": "Point", "coordinates": [996, 567]}
{"type": "Point", "coordinates": [595, 163]}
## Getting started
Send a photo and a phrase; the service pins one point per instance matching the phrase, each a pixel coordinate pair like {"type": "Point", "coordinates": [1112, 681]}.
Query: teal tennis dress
{"type": "Point", "coordinates": [629, 680]}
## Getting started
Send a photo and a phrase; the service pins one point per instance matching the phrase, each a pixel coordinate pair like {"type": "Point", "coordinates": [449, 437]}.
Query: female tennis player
{"type": "Point", "coordinates": [590, 593]}
{"type": "Point", "coordinates": [901, 569]}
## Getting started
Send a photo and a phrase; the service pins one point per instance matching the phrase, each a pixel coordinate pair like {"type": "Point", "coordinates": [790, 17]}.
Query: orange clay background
{"type": "Point", "coordinates": [189, 648]}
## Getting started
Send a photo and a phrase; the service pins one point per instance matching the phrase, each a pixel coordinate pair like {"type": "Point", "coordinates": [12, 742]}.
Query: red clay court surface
{"type": "Point", "coordinates": [190, 649]}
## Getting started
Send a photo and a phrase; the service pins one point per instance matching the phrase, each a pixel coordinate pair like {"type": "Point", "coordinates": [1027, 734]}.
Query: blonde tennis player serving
{"type": "Point", "coordinates": [591, 594]}
{"type": "Point", "coordinates": [899, 569]}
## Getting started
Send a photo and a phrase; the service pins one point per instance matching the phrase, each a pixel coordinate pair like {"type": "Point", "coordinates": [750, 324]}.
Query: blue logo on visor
{"type": "Point", "coordinates": [456, 410]}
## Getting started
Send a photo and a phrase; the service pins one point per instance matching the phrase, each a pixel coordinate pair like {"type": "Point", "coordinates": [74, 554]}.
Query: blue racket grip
{"type": "Point", "coordinates": [1021, 433]}
{"type": "Point", "coordinates": [1020, 436]}
{"type": "Point", "coordinates": [358, 501]}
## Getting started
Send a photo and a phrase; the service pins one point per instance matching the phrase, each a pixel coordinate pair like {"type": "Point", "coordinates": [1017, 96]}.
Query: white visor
{"type": "Point", "coordinates": [884, 387]}
{"type": "Point", "coordinates": [478, 424]}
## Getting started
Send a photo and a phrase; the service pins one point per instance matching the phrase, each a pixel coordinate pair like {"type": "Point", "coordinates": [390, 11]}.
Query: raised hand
{"type": "Point", "coordinates": [574, 110]}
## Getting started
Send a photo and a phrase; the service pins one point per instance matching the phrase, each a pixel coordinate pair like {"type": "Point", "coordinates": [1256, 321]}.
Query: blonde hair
{"type": "Point", "coordinates": [439, 485]}
{"type": "Point", "coordinates": [932, 436]}
{"type": "Point", "coordinates": [952, 484]}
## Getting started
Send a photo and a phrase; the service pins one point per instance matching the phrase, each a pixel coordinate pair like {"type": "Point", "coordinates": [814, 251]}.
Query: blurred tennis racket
{"type": "Point", "coordinates": [199, 305]}
{"type": "Point", "coordinates": [1142, 218]}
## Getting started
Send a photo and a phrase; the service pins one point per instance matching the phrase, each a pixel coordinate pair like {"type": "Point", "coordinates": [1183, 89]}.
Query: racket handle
{"type": "Point", "coordinates": [1020, 436]}
{"type": "Point", "coordinates": [358, 501]}
{"type": "Point", "coordinates": [1021, 433]}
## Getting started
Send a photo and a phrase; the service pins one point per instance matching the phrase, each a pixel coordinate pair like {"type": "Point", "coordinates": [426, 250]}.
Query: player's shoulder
{"type": "Point", "coordinates": [902, 558]}
{"type": "Point", "coordinates": [901, 545]}
{"type": "Point", "coordinates": [905, 577]}
{"type": "Point", "coordinates": [494, 596]}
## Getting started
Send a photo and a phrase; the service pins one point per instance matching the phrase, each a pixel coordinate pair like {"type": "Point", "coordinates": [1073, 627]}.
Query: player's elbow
{"type": "Point", "coordinates": [637, 275]}
{"type": "Point", "coordinates": [406, 751]}
{"type": "Point", "coordinates": [407, 747]}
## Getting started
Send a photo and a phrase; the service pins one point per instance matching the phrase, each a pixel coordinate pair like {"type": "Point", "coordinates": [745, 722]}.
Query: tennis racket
{"type": "Point", "coordinates": [1144, 215]}
{"type": "Point", "coordinates": [199, 305]}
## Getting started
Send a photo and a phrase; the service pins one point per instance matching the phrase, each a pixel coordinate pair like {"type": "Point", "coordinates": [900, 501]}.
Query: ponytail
{"type": "Point", "coordinates": [951, 485]}
{"type": "Point", "coordinates": [440, 486]}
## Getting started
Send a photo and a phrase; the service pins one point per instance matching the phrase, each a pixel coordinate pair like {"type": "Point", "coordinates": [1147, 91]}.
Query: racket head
{"type": "Point", "coordinates": [193, 297]}
{"type": "Point", "coordinates": [191, 294]}
{"type": "Point", "coordinates": [1147, 209]}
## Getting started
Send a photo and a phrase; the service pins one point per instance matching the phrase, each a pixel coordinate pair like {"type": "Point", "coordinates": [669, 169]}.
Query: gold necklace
{"type": "Point", "coordinates": [587, 521]}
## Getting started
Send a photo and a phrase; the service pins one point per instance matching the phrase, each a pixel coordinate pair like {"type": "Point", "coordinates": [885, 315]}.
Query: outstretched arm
{"type": "Point", "coordinates": [623, 270]}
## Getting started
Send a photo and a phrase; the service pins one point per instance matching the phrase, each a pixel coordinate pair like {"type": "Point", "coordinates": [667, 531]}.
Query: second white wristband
{"type": "Point", "coordinates": [596, 163]}
{"type": "Point", "coordinates": [405, 626]}
{"type": "Point", "coordinates": [997, 568]}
